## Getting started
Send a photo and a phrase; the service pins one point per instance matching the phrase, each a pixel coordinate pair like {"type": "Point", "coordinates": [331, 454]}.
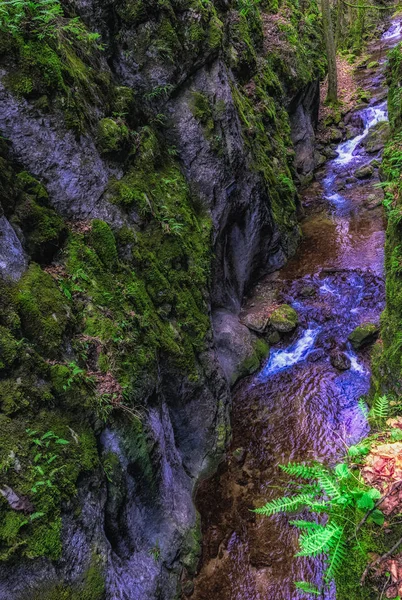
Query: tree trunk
{"type": "Point", "coordinates": [332, 95]}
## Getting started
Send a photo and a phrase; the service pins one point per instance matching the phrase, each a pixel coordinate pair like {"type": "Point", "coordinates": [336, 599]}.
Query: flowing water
{"type": "Point", "coordinates": [299, 406]}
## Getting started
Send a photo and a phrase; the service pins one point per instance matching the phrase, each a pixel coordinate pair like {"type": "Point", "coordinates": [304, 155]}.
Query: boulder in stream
{"type": "Point", "coordinates": [364, 172]}
{"type": "Point", "coordinates": [363, 335]}
{"type": "Point", "coordinates": [284, 319]}
{"type": "Point", "coordinates": [377, 137]}
{"type": "Point", "coordinates": [340, 360]}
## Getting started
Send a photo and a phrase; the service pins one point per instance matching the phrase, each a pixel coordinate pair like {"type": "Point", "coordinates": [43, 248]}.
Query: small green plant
{"type": "Point", "coordinates": [380, 409]}
{"type": "Point", "coordinates": [76, 376]}
{"type": "Point", "coordinates": [155, 552]}
{"type": "Point", "coordinates": [307, 588]}
{"type": "Point", "coordinates": [45, 458]}
{"type": "Point", "coordinates": [339, 494]}
{"type": "Point", "coordinates": [43, 20]}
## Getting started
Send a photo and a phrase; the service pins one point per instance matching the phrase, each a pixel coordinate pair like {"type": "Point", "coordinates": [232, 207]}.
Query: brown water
{"type": "Point", "coordinates": [300, 407]}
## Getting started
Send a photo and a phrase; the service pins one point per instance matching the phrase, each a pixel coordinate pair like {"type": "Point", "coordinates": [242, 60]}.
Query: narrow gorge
{"type": "Point", "coordinates": [192, 248]}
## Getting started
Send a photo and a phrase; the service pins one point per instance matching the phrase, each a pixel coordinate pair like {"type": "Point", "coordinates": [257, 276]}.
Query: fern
{"type": "Point", "coordinates": [287, 504]}
{"type": "Point", "coordinates": [303, 471]}
{"type": "Point", "coordinates": [306, 587]}
{"type": "Point", "coordinates": [363, 408]}
{"type": "Point", "coordinates": [337, 555]}
{"type": "Point", "coordinates": [301, 524]}
{"type": "Point", "coordinates": [329, 486]}
{"type": "Point", "coordinates": [320, 540]}
{"type": "Point", "coordinates": [380, 407]}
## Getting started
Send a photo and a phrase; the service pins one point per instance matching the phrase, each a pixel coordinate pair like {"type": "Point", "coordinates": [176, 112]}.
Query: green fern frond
{"type": "Point", "coordinates": [323, 539]}
{"type": "Point", "coordinates": [303, 471]}
{"type": "Point", "coordinates": [307, 588]}
{"type": "Point", "coordinates": [306, 524]}
{"type": "Point", "coordinates": [283, 505]}
{"type": "Point", "coordinates": [337, 554]}
{"type": "Point", "coordinates": [363, 408]}
{"type": "Point", "coordinates": [329, 486]}
{"type": "Point", "coordinates": [380, 409]}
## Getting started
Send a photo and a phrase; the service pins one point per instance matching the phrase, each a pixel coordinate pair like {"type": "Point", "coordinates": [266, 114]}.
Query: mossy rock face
{"type": "Point", "coordinates": [8, 348]}
{"type": "Point", "coordinates": [43, 310]}
{"type": "Point", "coordinates": [364, 172]}
{"type": "Point", "coordinates": [363, 335]}
{"type": "Point", "coordinates": [284, 319]}
{"type": "Point", "coordinates": [377, 137]}
{"type": "Point", "coordinates": [112, 135]}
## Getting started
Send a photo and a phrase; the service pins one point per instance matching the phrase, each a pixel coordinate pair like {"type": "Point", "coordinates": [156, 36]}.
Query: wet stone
{"type": "Point", "coordinates": [364, 172]}
{"type": "Point", "coordinates": [377, 137]}
{"type": "Point", "coordinates": [363, 335]}
{"type": "Point", "coordinates": [284, 319]}
{"type": "Point", "coordinates": [340, 360]}
{"type": "Point", "coordinates": [256, 322]}
{"type": "Point", "coordinates": [316, 355]}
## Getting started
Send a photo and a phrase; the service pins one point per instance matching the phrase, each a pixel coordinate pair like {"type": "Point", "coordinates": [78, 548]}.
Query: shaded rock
{"type": "Point", "coordinates": [363, 335]}
{"type": "Point", "coordinates": [373, 201]}
{"type": "Point", "coordinates": [364, 172]}
{"type": "Point", "coordinates": [377, 137]}
{"type": "Point", "coordinates": [255, 321]}
{"type": "Point", "coordinates": [304, 118]}
{"type": "Point", "coordinates": [350, 179]}
{"type": "Point", "coordinates": [13, 260]}
{"type": "Point", "coordinates": [307, 291]}
{"type": "Point", "coordinates": [335, 135]}
{"type": "Point", "coordinates": [274, 337]}
{"type": "Point", "coordinates": [316, 355]}
{"type": "Point", "coordinates": [340, 360]}
{"type": "Point", "coordinates": [330, 152]}
{"type": "Point", "coordinates": [320, 159]}
{"type": "Point", "coordinates": [16, 502]}
{"type": "Point", "coordinates": [284, 319]}
{"type": "Point", "coordinates": [239, 350]}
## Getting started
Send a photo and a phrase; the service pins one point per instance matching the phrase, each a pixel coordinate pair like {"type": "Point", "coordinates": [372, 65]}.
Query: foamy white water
{"type": "Point", "coordinates": [371, 116]}
{"type": "Point", "coordinates": [283, 358]}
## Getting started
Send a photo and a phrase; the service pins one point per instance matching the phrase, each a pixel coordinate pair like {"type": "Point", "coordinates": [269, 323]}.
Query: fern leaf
{"type": "Point", "coordinates": [337, 554]}
{"type": "Point", "coordinates": [283, 505]}
{"type": "Point", "coordinates": [306, 524]}
{"type": "Point", "coordinates": [307, 588]}
{"type": "Point", "coordinates": [380, 407]}
{"type": "Point", "coordinates": [329, 486]}
{"type": "Point", "coordinates": [363, 408]}
{"type": "Point", "coordinates": [301, 470]}
{"type": "Point", "coordinates": [314, 542]}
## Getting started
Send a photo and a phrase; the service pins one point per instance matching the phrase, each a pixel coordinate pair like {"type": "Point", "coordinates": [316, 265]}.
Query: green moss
{"type": "Point", "coordinates": [103, 242]}
{"type": "Point", "coordinates": [12, 396]}
{"type": "Point", "coordinates": [8, 348]}
{"type": "Point", "coordinates": [112, 135]}
{"type": "Point", "coordinates": [47, 473]}
{"type": "Point", "coordinates": [92, 587]}
{"type": "Point", "coordinates": [43, 310]}
{"type": "Point", "coordinates": [284, 319]}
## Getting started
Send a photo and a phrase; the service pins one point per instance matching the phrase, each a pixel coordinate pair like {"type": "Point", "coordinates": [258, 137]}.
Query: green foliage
{"type": "Point", "coordinates": [42, 309]}
{"type": "Point", "coordinates": [380, 409]}
{"type": "Point", "coordinates": [341, 495]}
{"type": "Point", "coordinates": [307, 588]}
{"type": "Point", "coordinates": [112, 135]}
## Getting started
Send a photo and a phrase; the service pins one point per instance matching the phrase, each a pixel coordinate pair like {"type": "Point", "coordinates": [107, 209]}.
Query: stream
{"type": "Point", "coordinates": [299, 407]}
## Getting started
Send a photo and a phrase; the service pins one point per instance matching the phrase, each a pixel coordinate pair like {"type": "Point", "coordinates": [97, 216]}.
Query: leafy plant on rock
{"type": "Point", "coordinates": [337, 493]}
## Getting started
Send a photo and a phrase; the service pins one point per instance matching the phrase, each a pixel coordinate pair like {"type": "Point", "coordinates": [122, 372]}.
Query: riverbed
{"type": "Point", "coordinates": [299, 406]}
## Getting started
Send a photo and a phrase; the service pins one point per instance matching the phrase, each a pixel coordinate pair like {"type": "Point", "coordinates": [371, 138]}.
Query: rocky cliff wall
{"type": "Point", "coordinates": [147, 178]}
